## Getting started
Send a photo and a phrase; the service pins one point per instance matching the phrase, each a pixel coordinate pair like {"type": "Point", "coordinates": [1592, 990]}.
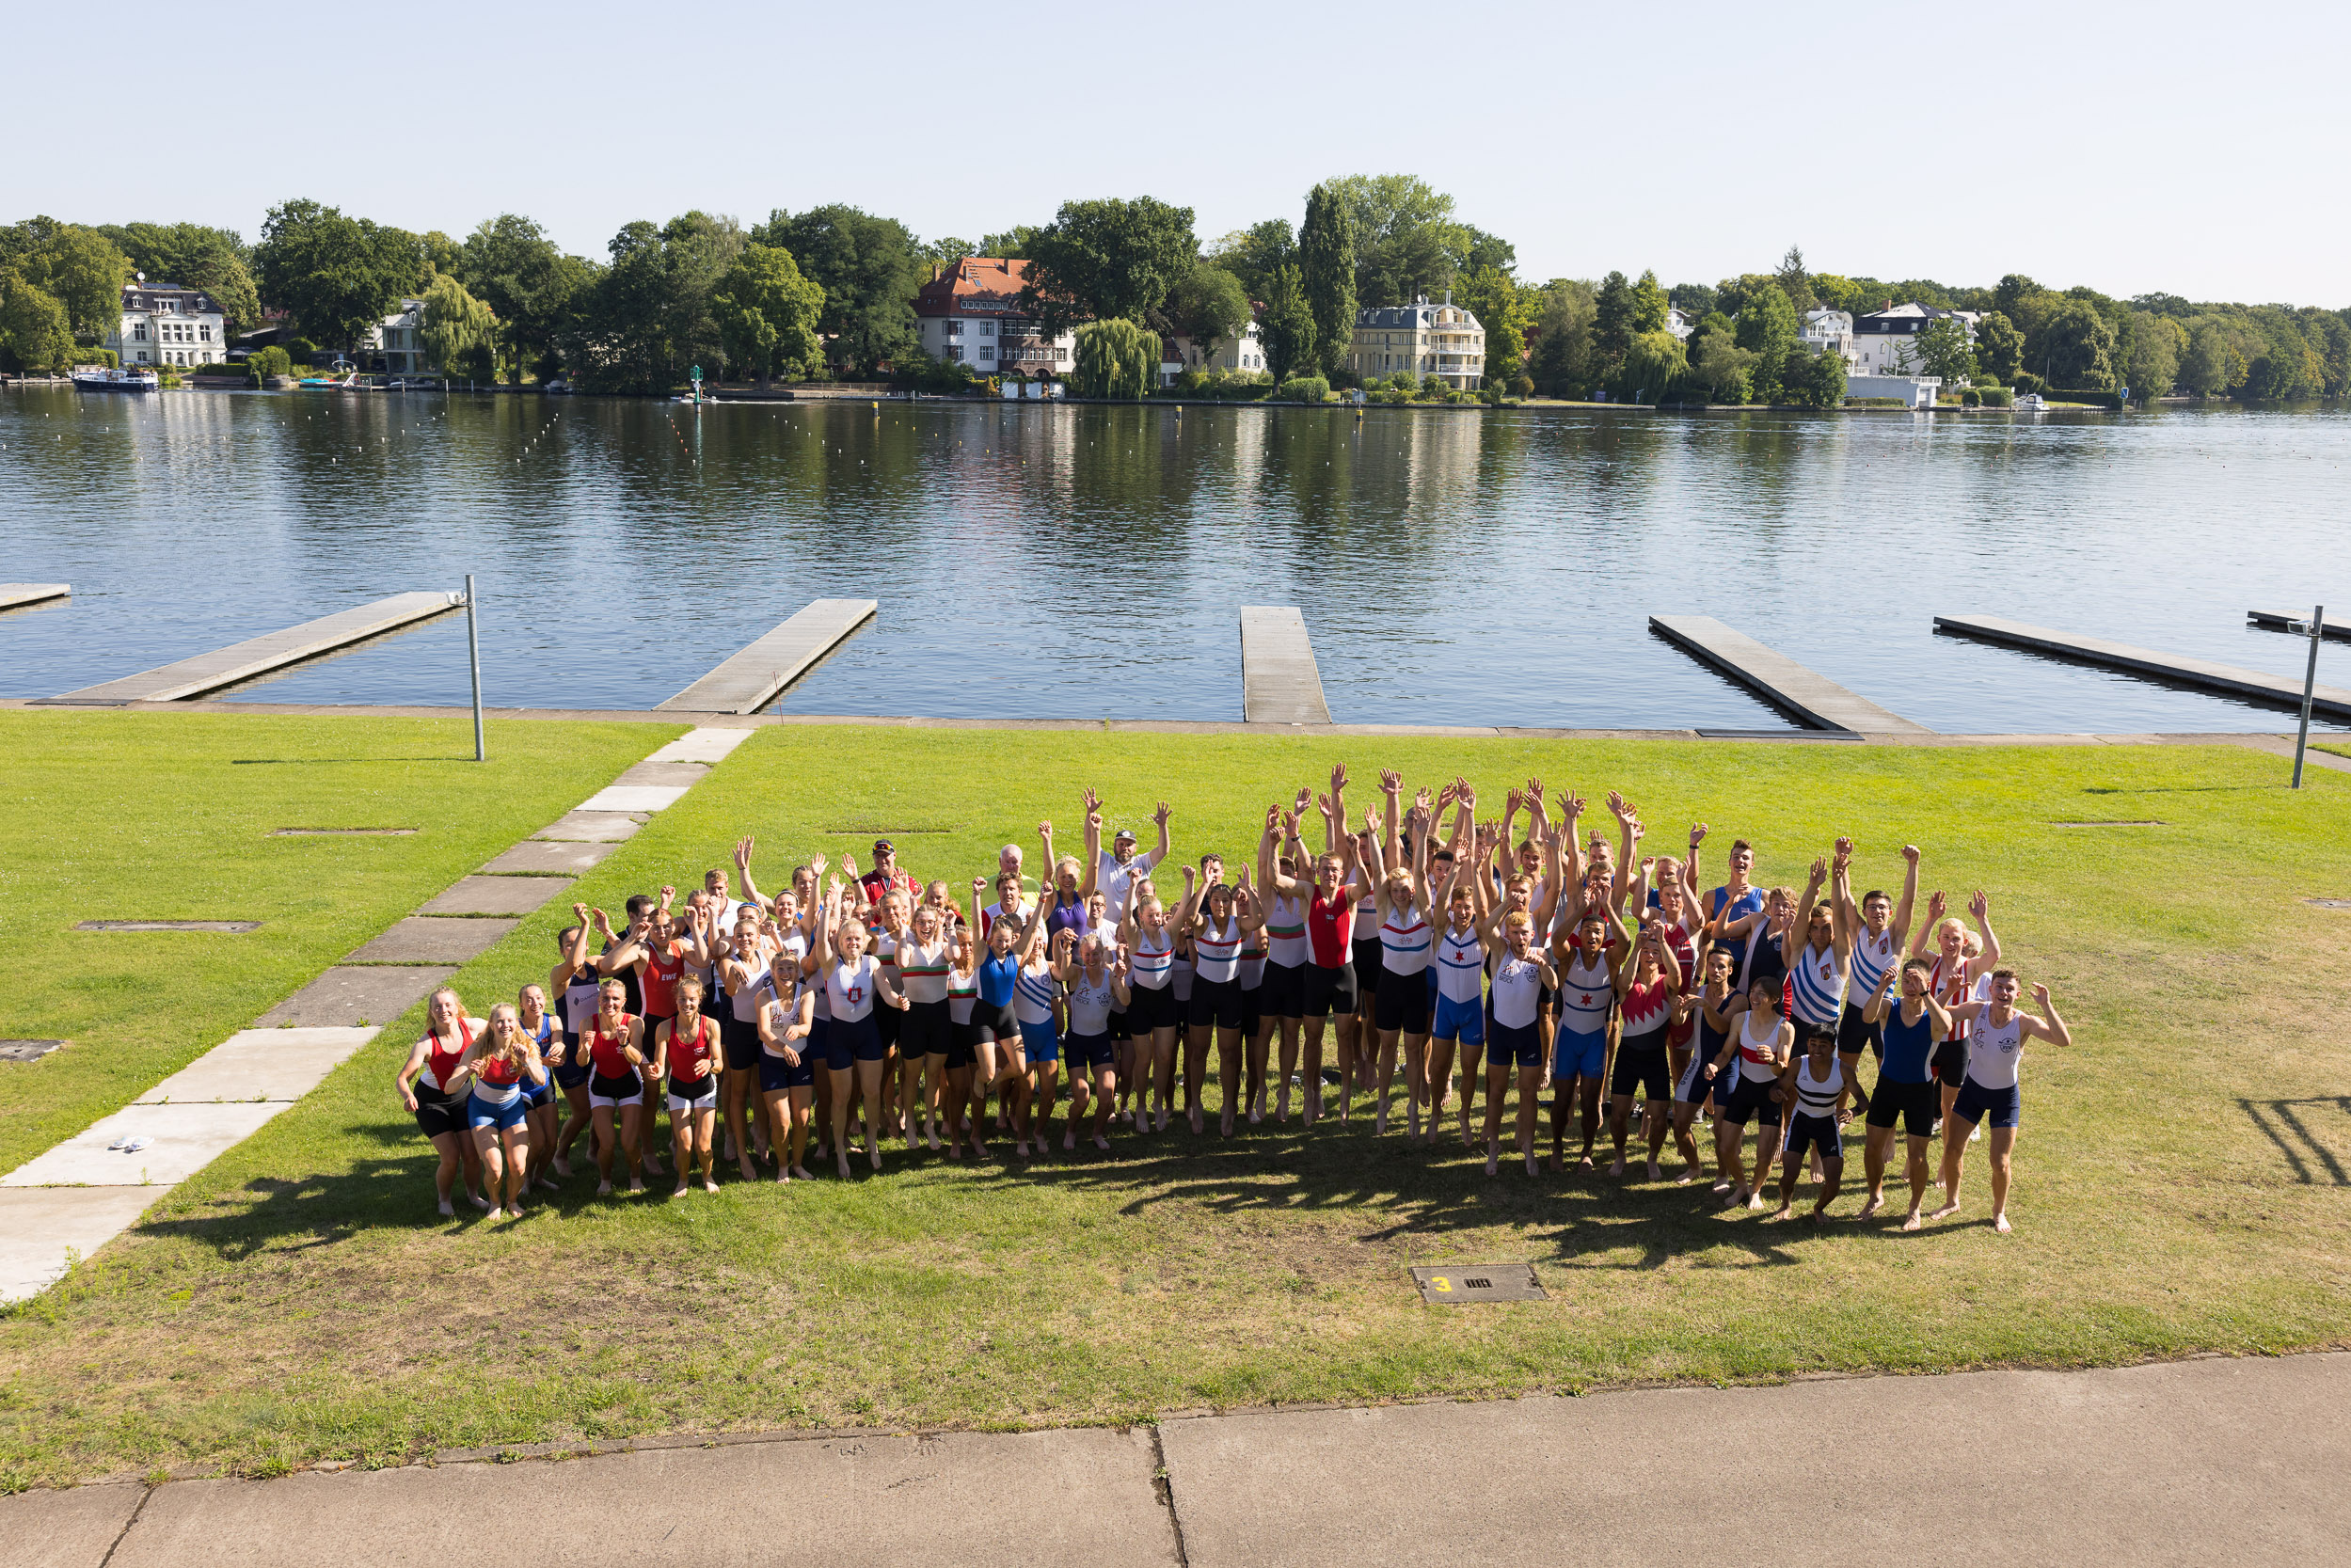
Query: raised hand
{"type": "Point", "coordinates": [1534, 790]}
{"type": "Point", "coordinates": [1421, 800]}
{"type": "Point", "coordinates": [580, 913]}
{"type": "Point", "coordinates": [1289, 826]}
{"type": "Point", "coordinates": [1093, 802]}
{"type": "Point", "coordinates": [816, 863]}
{"type": "Point", "coordinates": [1514, 799]}
{"type": "Point", "coordinates": [1934, 905]}
{"type": "Point", "coordinates": [1697, 834]}
{"type": "Point", "coordinates": [2040, 995]}
{"type": "Point", "coordinates": [849, 863]}
{"type": "Point", "coordinates": [1820, 871]}
{"type": "Point", "coordinates": [603, 922]}
{"type": "Point", "coordinates": [1844, 852]}
{"type": "Point", "coordinates": [1272, 818]}
{"type": "Point", "coordinates": [1338, 778]}
{"type": "Point", "coordinates": [668, 893]}
{"type": "Point", "coordinates": [1191, 875]}
{"type": "Point", "coordinates": [1161, 815]}
{"type": "Point", "coordinates": [1391, 781]}
{"type": "Point", "coordinates": [1617, 804]}
{"type": "Point", "coordinates": [1466, 796]}
{"type": "Point", "coordinates": [742, 853]}
{"type": "Point", "coordinates": [979, 884]}
{"type": "Point", "coordinates": [1045, 829]}
{"type": "Point", "coordinates": [1304, 798]}
{"type": "Point", "coordinates": [1979, 906]}
{"type": "Point", "coordinates": [1322, 803]}
{"type": "Point", "coordinates": [1910, 853]}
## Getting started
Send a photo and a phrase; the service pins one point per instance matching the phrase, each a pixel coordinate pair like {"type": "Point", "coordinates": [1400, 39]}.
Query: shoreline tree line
{"type": "Point", "coordinates": [828, 292]}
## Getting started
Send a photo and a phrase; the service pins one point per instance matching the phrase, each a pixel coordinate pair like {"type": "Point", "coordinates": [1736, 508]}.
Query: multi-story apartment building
{"type": "Point", "coordinates": [972, 312]}
{"type": "Point", "coordinates": [1442, 340]}
{"type": "Point", "coordinates": [166, 325]}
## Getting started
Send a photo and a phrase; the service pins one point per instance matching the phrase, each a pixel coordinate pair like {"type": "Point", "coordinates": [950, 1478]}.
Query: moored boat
{"type": "Point", "coordinates": [106, 378]}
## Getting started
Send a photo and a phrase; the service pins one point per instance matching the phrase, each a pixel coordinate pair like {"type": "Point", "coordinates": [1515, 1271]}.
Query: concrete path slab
{"type": "Point", "coordinates": [2187, 1463]}
{"type": "Point", "coordinates": [1779, 679]}
{"type": "Point", "coordinates": [349, 995]}
{"type": "Point", "coordinates": [242, 661]}
{"type": "Point", "coordinates": [180, 1141]}
{"type": "Point", "coordinates": [432, 940]}
{"type": "Point", "coordinates": [14, 596]}
{"type": "Point", "coordinates": [679, 775]}
{"type": "Point", "coordinates": [706, 743]}
{"type": "Point", "coordinates": [496, 896]}
{"type": "Point", "coordinates": [1048, 1499]}
{"type": "Point", "coordinates": [65, 1530]}
{"type": "Point", "coordinates": [533, 857]}
{"type": "Point", "coordinates": [750, 680]}
{"type": "Point", "coordinates": [2254, 685]}
{"type": "Point", "coordinates": [261, 1064]}
{"type": "Point", "coordinates": [42, 1227]}
{"type": "Point", "coordinates": [1281, 683]}
{"type": "Point", "coordinates": [591, 827]}
{"type": "Point", "coordinates": [632, 798]}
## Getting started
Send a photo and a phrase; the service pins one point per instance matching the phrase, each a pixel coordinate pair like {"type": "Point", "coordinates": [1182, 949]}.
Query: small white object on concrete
{"type": "Point", "coordinates": [180, 1141]}
{"type": "Point", "coordinates": [708, 744]}
{"type": "Point", "coordinates": [260, 1064]}
{"type": "Point", "coordinates": [626, 798]}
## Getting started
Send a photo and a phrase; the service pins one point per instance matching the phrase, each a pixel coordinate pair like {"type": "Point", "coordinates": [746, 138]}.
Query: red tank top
{"type": "Point", "coordinates": [664, 966]}
{"type": "Point", "coordinates": [1329, 927]}
{"type": "Point", "coordinates": [605, 1050]}
{"type": "Point", "coordinates": [689, 1056]}
{"type": "Point", "coordinates": [443, 1064]}
{"type": "Point", "coordinates": [498, 1075]}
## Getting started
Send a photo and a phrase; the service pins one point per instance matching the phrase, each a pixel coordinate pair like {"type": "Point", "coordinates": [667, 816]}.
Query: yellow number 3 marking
{"type": "Point", "coordinates": [1442, 1282]}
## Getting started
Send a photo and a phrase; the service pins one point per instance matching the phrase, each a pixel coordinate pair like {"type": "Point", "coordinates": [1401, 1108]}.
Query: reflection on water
{"type": "Point", "coordinates": [1090, 562]}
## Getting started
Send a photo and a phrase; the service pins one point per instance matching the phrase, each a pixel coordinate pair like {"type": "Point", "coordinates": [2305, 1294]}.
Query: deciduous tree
{"type": "Point", "coordinates": [767, 313]}
{"type": "Point", "coordinates": [1999, 347]}
{"type": "Point", "coordinates": [1106, 258]}
{"type": "Point", "coordinates": [1254, 254]}
{"type": "Point", "coordinates": [1289, 325]}
{"type": "Point", "coordinates": [1116, 359]}
{"type": "Point", "coordinates": [1943, 350]}
{"type": "Point", "coordinates": [1406, 240]}
{"type": "Point", "coordinates": [194, 255]}
{"type": "Point", "coordinates": [460, 332]}
{"type": "Point", "coordinates": [1326, 271]}
{"type": "Point", "coordinates": [1767, 329]}
{"type": "Point", "coordinates": [35, 331]}
{"type": "Point", "coordinates": [1208, 306]}
{"type": "Point", "coordinates": [868, 267]}
{"type": "Point", "coordinates": [339, 275]}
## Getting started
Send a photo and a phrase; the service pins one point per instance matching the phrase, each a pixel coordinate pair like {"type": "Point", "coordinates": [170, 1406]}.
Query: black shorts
{"type": "Point", "coordinates": [1645, 1067]}
{"type": "Point", "coordinates": [740, 1042]}
{"type": "Point", "coordinates": [1283, 994]}
{"type": "Point", "coordinates": [1546, 1000]}
{"type": "Point", "coordinates": [1328, 991]}
{"type": "Point", "coordinates": [1403, 1004]}
{"type": "Point", "coordinates": [1121, 1027]}
{"type": "Point", "coordinates": [886, 1022]}
{"type": "Point", "coordinates": [993, 1024]}
{"type": "Point", "coordinates": [1854, 1032]}
{"type": "Point", "coordinates": [438, 1114]}
{"type": "Point", "coordinates": [1915, 1105]}
{"type": "Point", "coordinates": [1950, 1062]}
{"type": "Point", "coordinates": [1252, 1016]}
{"type": "Point", "coordinates": [1148, 1009]}
{"type": "Point", "coordinates": [1089, 1052]}
{"type": "Point", "coordinates": [1367, 968]}
{"type": "Point", "coordinates": [1213, 1003]}
{"type": "Point", "coordinates": [923, 1029]}
{"type": "Point", "coordinates": [1806, 1132]}
{"type": "Point", "coordinates": [1752, 1098]}
{"type": "Point", "coordinates": [962, 1046]}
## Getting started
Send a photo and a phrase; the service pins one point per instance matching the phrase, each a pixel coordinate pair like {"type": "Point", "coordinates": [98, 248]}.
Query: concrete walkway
{"type": "Point", "coordinates": [73, 1198]}
{"type": "Point", "coordinates": [2212, 1460]}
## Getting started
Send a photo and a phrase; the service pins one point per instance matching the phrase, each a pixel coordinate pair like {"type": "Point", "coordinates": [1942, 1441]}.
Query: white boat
{"type": "Point", "coordinates": [104, 378]}
{"type": "Point", "coordinates": [2031, 403]}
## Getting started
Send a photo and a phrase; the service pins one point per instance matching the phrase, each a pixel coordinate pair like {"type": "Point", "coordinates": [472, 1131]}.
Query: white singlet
{"type": "Point", "coordinates": [1148, 966]}
{"type": "Point", "coordinates": [922, 972]}
{"type": "Point", "coordinates": [1461, 966]}
{"type": "Point", "coordinates": [1216, 956]}
{"type": "Point", "coordinates": [1090, 1004]}
{"type": "Point", "coordinates": [1872, 956]}
{"type": "Point", "coordinates": [1818, 1098]}
{"type": "Point", "coordinates": [1034, 994]}
{"type": "Point", "coordinates": [1404, 942]}
{"type": "Point", "coordinates": [1285, 934]}
{"type": "Point", "coordinates": [1994, 1052]}
{"type": "Point", "coordinates": [1818, 981]}
{"type": "Point", "coordinates": [1585, 994]}
{"type": "Point", "coordinates": [850, 988]}
{"type": "Point", "coordinates": [1763, 1052]}
{"type": "Point", "coordinates": [1517, 989]}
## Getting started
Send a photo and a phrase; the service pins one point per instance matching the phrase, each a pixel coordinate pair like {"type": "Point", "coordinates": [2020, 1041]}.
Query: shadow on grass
{"type": "Point", "coordinates": [2291, 1125]}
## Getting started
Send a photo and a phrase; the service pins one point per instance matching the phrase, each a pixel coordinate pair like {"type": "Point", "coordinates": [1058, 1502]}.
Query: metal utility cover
{"type": "Point", "coordinates": [169, 925]}
{"type": "Point", "coordinates": [1460, 1285]}
{"type": "Point", "coordinates": [27, 1050]}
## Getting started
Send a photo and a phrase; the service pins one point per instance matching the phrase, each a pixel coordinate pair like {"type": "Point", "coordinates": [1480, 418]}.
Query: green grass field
{"type": "Point", "coordinates": [2185, 1178]}
{"type": "Point", "coordinates": [168, 817]}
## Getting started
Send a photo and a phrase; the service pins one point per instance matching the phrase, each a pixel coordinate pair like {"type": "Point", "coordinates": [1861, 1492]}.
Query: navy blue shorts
{"type": "Point", "coordinates": [1998, 1107]}
{"type": "Point", "coordinates": [854, 1039]}
{"type": "Point", "coordinates": [1091, 1052]}
{"type": "Point", "coordinates": [1147, 1008]}
{"type": "Point", "coordinates": [740, 1041]}
{"type": "Point", "coordinates": [575, 1068]}
{"type": "Point", "coordinates": [1514, 1047]}
{"type": "Point", "coordinates": [775, 1073]}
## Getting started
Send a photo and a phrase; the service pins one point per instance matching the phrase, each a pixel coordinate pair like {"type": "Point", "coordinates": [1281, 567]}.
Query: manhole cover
{"type": "Point", "coordinates": [339, 832]}
{"type": "Point", "coordinates": [169, 925]}
{"type": "Point", "coordinates": [26, 1050]}
{"type": "Point", "coordinates": [1463, 1284]}
{"type": "Point", "coordinates": [2330, 903]}
{"type": "Point", "coordinates": [2112, 822]}
{"type": "Point", "coordinates": [1778, 735]}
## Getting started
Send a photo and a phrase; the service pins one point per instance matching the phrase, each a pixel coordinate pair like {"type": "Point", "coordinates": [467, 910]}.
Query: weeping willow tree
{"type": "Point", "coordinates": [460, 332]}
{"type": "Point", "coordinates": [1115, 359]}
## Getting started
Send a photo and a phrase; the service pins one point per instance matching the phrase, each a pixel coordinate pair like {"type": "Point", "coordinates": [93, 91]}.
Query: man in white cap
{"type": "Point", "coordinates": [1115, 870]}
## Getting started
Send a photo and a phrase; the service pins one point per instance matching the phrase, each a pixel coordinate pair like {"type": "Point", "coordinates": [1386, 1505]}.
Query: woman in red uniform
{"type": "Point", "coordinates": [686, 1050]}
{"type": "Point", "coordinates": [503, 1065]}
{"type": "Point", "coordinates": [424, 1081]}
{"type": "Point", "coordinates": [614, 1041]}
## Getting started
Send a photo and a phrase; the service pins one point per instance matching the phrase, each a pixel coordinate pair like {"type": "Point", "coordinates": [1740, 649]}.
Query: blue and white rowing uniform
{"type": "Point", "coordinates": [1817, 977]}
{"type": "Point", "coordinates": [1586, 996]}
{"type": "Point", "coordinates": [1460, 971]}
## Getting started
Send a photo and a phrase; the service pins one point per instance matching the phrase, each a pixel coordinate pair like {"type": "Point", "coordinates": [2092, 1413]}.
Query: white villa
{"type": "Point", "coordinates": [398, 342]}
{"type": "Point", "coordinates": [1442, 340]}
{"type": "Point", "coordinates": [970, 312]}
{"type": "Point", "coordinates": [1179, 353]}
{"type": "Point", "coordinates": [166, 325]}
{"type": "Point", "coordinates": [1824, 330]}
{"type": "Point", "coordinates": [1885, 342]}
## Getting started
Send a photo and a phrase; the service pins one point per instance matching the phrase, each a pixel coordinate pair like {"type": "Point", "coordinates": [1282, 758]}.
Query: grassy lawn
{"type": "Point", "coordinates": [110, 815]}
{"type": "Point", "coordinates": [2180, 1187]}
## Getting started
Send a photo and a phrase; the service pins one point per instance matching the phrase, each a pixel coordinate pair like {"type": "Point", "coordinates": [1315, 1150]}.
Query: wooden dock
{"type": "Point", "coordinates": [15, 595]}
{"type": "Point", "coordinates": [750, 680]}
{"type": "Point", "coordinates": [1279, 683]}
{"type": "Point", "coordinates": [2251, 686]}
{"type": "Point", "coordinates": [242, 661]}
{"type": "Point", "coordinates": [2269, 619]}
{"type": "Point", "coordinates": [1811, 698]}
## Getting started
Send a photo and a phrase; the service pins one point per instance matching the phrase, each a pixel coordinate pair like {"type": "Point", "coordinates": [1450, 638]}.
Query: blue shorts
{"type": "Point", "coordinates": [483, 1113]}
{"type": "Point", "coordinates": [776, 1075]}
{"type": "Point", "coordinates": [1516, 1047]}
{"type": "Point", "coordinates": [575, 1068]}
{"type": "Point", "coordinates": [1578, 1056]}
{"type": "Point", "coordinates": [1462, 1021]}
{"type": "Point", "coordinates": [1042, 1044]}
{"type": "Point", "coordinates": [827, 1046]}
{"type": "Point", "coordinates": [855, 1039]}
{"type": "Point", "coordinates": [1091, 1051]}
{"type": "Point", "coordinates": [1998, 1107]}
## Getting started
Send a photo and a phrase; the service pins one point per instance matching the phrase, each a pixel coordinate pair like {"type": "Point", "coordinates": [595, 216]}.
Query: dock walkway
{"type": "Point", "coordinates": [750, 680]}
{"type": "Point", "coordinates": [243, 661]}
{"type": "Point", "coordinates": [1279, 681]}
{"type": "Point", "coordinates": [1779, 679]}
{"type": "Point", "coordinates": [2271, 620]}
{"type": "Point", "coordinates": [16, 596]}
{"type": "Point", "coordinates": [2249, 685]}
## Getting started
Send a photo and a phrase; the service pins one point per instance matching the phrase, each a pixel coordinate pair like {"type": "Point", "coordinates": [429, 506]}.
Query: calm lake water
{"type": "Point", "coordinates": [1089, 561]}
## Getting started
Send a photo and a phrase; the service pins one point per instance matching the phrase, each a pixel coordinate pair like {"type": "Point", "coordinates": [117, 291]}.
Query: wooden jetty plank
{"type": "Point", "coordinates": [750, 680]}
{"type": "Point", "coordinates": [2270, 620]}
{"type": "Point", "coordinates": [242, 661]}
{"type": "Point", "coordinates": [1779, 679]}
{"type": "Point", "coordinates": [2227, 679]}
{"type": "Point", "coordinates": [15, 594]}
{"type": "Point", "coordinates": [1279, 683]}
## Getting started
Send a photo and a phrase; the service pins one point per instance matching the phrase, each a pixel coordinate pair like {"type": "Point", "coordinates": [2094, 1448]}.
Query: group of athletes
{"type": "Point", "coordinates": [852, 1007]}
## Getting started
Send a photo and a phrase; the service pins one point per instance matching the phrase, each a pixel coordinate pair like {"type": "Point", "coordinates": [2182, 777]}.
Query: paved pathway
{"type": "Point", "coordinates": [75, 1197]}
{"type": "Point", "coordinates": [2212, 1461]}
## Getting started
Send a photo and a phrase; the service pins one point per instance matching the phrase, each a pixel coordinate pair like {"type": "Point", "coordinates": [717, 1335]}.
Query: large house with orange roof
{"type": "Point", "coordinates": [970, 312]}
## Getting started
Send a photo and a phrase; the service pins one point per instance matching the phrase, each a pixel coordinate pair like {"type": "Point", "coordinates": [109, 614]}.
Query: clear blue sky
{"type": "Point", "coordinates": [2200, 149]}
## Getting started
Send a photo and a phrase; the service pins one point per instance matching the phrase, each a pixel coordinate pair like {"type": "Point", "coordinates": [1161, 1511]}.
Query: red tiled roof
{"type": "Point", "coordinates": [992, 279]}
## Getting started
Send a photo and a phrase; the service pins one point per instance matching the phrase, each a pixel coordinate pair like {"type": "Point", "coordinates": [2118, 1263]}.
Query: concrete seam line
{"type": "Point", "coordinates": [1163, 1483]}
{"type": "Point", "coordinates": [124, 1534]}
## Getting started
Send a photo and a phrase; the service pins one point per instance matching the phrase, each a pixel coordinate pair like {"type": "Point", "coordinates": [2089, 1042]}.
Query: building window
{"type": "Point", "coordinates": [955, 351]}
{"type": "Point", "coordinates": [987, 329]}
{"type": "Point", "coordinates": [955, 329]}
{"type": "Point", "coordinates": [986, 352]}
{"type": "Point", "coordinates": [139, 332]}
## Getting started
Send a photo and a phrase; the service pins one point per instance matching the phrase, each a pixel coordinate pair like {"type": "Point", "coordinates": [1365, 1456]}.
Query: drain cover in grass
{"type": "Point", "coordinates": [26, 1050]}
{"type": "Point", "coordinates": [2111, 822]}
{"type": "Point", "coordinates": [1464, 1284]}
{"type": "Point", "coordinates": [169, 925]}
{"type": "Point", "coordinates": [339, 832]}
{"type": "Point", "coordinates": [2330, 903]}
